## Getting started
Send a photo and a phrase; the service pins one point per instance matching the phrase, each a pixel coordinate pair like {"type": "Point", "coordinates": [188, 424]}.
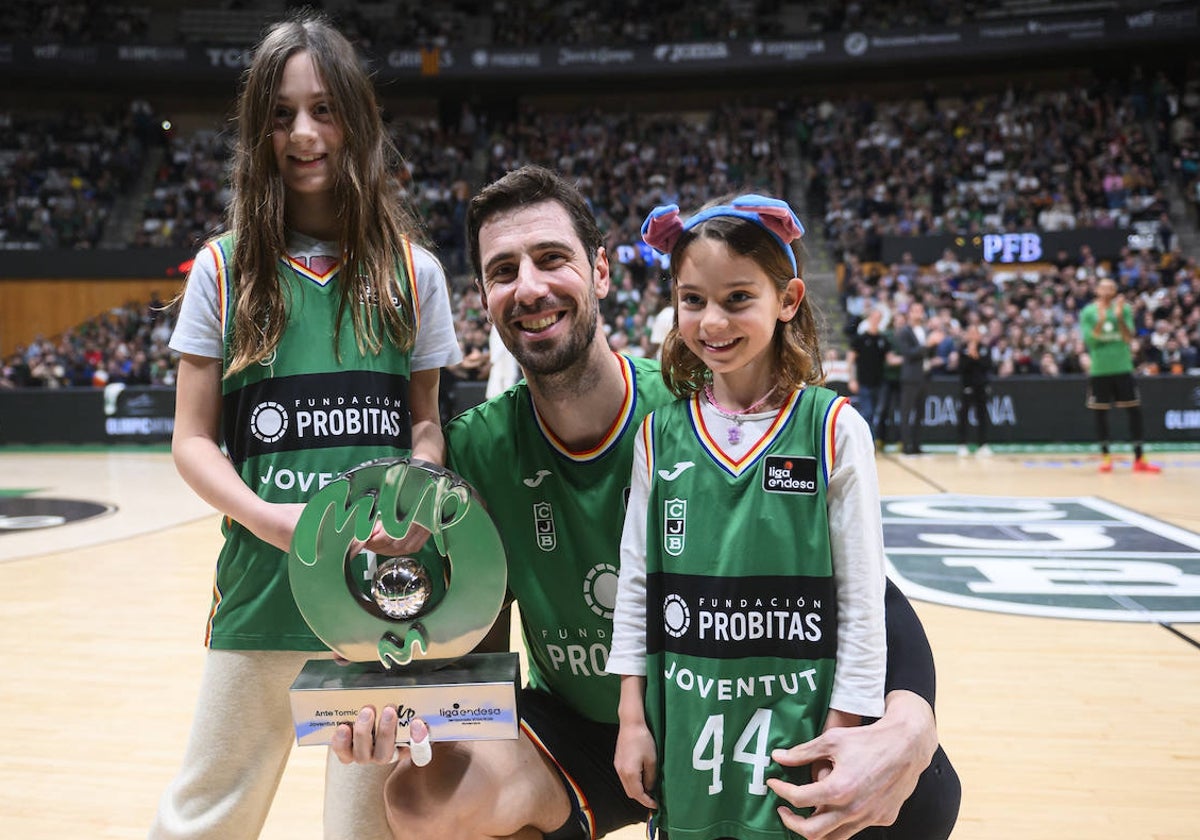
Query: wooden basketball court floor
{"type": "Point", "coordinates": [1059, 728]}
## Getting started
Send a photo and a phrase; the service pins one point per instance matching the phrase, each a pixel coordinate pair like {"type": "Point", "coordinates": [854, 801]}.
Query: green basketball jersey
{"type": "Point", "coordinates": [1109, 351]}
{"type": "Point", "coordinates": [560, 515]}
{"type": "Point", "coordinates": [741, 612]}
{"type": "Point", "coordinates": [291, 424]}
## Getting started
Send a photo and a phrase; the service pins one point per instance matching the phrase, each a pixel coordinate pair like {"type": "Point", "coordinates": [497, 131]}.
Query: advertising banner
{"type": "Point", "coordinates": [1022, 409]}
{"type": "Point", "coordinates": [1017, 36]}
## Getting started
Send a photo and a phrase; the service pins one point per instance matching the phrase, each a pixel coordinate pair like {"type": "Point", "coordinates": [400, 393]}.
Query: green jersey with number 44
{"type": "Point", "coordinates": [741, 613]}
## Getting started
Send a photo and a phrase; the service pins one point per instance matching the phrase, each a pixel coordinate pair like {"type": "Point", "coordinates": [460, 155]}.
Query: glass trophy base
{"type": "Point", "coordinates": [471, 699]}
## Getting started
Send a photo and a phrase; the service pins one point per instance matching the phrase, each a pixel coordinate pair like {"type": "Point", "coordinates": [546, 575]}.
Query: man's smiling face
{"type": "Point", "coordinates": [541, 291]}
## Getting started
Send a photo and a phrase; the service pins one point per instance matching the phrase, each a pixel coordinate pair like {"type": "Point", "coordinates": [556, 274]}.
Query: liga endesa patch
{"type": "Point", "coordinates": [27, 513]}
{"type": "Point", "coordinates": [790, 474]}
{"type": "Point", "coordinates": [1080, 557]}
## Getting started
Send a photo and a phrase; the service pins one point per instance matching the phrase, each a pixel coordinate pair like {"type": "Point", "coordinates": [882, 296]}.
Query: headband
{"type": "Point", "coordinates": [663, 227]}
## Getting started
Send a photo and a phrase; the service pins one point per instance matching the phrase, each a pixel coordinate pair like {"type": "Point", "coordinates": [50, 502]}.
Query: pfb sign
{"type": "Point", "coordinates": [1063, 558]}
{"type": "Point", "coordinates": [1012, 247]}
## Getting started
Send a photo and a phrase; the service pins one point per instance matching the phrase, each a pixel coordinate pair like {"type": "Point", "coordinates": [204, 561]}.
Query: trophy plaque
{"type": "Point", "coordinates": [406, 625]}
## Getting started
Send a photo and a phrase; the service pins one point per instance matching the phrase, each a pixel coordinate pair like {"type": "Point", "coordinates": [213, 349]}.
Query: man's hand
{"type": "Point", "coordinates": [362, 743]}
{"type": "Point", "coordinates": [875, 769]}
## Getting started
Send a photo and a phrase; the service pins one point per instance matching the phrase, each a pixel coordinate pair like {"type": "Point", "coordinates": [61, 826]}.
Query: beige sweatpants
{"type": "Point", "coordinates": [239, 745]}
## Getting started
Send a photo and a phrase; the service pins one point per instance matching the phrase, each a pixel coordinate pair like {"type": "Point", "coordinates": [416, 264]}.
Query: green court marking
{"type": "Point", "coordinates": [1082, 557]}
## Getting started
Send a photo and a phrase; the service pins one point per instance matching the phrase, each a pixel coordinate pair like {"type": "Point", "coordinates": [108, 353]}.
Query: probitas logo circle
{"type": "Point", "coordinates": [677, 618]}
{"type": "Point", "coordinates": [269, 422]}
{"type": "Point", "coordinates": [600, 590]}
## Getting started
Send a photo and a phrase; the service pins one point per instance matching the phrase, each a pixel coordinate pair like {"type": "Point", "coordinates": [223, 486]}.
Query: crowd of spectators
{"type": "Point", "coordinates": [75, 21]}
{"type": "Point", "coordinates": [1029, 319]}
{"type": "Point", "coordinates": [611, 22]}
{"type": "Point", "coordinates": [384, 24]}
{"type": "Point", "coordinates": [1010, 161]}
{"type": "Point", "coordinates": [1180, 124]}
{"type": "Point", "coordinates": [1079, 156]}
{"type": "Point", "coordinates": [187, 201]}
{"type": "Point", "coordinates": [61, 173]}
{"type": "Point", "coordinates": [626, 163]}
{"type": "Point", "coordinates": [534, 23]}
{"type": "Point", "coordinates": [125, 345]}
{"type": "Point", "coordinates": [1089, 156]}
{"type": "Point", "coordinates": [523, 23]}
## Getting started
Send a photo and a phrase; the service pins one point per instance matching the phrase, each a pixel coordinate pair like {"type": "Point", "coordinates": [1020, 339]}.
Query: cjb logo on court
{"type": "Point", "coordinates": [1064, 558]}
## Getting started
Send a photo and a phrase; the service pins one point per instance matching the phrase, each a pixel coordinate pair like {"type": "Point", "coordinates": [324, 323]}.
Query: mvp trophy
{"type": "Point", "coordinates": [405, 624]}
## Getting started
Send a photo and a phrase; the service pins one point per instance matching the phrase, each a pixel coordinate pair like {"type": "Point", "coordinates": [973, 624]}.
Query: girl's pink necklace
{"type": "Point", "coordinates": [738, 417]}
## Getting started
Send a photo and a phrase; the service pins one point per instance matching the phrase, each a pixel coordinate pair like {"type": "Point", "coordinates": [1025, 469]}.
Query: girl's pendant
{"type": "Point", "coordinates": [735, 434]}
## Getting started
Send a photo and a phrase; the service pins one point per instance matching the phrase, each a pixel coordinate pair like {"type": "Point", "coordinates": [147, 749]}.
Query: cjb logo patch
{"type": "Point", "coordinates": [790, 474]}
{"type": "Point", "coordinates": [674, 526]}
{"type": "Point", "coordinates": [543, 526]}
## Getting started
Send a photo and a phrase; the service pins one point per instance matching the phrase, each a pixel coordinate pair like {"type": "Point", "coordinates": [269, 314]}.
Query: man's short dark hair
{"type": "Point", "coordinates": [527, 186]}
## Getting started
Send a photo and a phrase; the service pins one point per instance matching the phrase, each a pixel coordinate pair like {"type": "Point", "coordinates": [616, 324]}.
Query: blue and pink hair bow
{"type": "Point", "coordinates": [663, 226]}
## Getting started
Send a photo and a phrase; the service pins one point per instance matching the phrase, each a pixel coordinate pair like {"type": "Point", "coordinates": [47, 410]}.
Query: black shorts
{"type": "Point", "coordinates": [583, 751]}
{"type": "Point", "coordinates": [1117, 390]}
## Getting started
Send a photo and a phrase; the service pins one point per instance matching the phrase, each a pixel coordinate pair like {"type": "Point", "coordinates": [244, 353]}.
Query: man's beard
{"type": "Point", "coordinates": [561, 356]}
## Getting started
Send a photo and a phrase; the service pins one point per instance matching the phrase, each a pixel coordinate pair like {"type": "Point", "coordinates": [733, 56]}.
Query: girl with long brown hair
{"type": "Point", "coordinates": [312, 334]}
